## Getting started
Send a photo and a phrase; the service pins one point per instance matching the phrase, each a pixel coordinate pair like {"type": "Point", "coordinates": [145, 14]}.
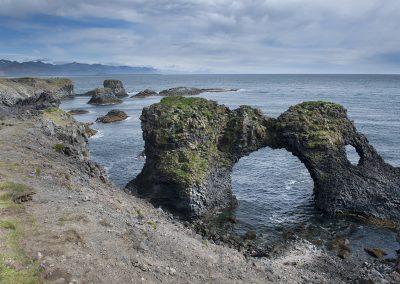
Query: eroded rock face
{"type": "Point", "coordinates": [116, 87]}
{"type": "Point", "coordinates": [16, 89]}
{"type": "Point", "coordinates": [191, 145]}
{"type": "Point", "coordinates": [113, 116]}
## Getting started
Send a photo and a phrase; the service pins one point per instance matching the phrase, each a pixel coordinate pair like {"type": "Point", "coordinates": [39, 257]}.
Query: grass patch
{"type": "Point", "coordinates": [7, 224]}
{"type": "Point", "coordinates": [153, 224]}
{"type": "Point", "coordinates": [15, 265]}
{"type": "Point", "coordinates": [58, 116]}
{"type": "Point", "coordinates": [8, 190]}
{"type": "Point", "coordinates": [38, 172]}
{"type": "Point", "coordinates": [139, 213]}
{"type": "Point", "coordinates": [59, 148]}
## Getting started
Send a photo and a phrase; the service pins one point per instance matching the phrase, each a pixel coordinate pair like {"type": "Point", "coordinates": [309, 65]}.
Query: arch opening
{"type": "Point", "coordinates": [274, 189]}
{"type": "Point", "coordinates": [352, 155]}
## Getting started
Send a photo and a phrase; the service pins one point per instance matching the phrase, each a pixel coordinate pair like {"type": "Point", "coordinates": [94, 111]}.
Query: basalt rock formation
{"type": "Point", "coordinates": [191, 145]}
{"type": "Point", "coordinates": [17, 89]}
{"type": "Point", "coordinates": [116, 87]}
{"type": "Point", "coordinates": [113, 116]}
{"type": "Point", "coordinates": [103, 96]}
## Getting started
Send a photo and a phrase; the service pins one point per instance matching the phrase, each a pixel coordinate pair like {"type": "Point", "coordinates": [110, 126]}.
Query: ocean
{"type": "Point", "coordinates": [274, 189]}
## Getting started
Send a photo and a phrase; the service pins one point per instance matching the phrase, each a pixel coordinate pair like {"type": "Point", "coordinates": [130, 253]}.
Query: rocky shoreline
{"type": "Point", "coordinates": [76, 226]}
{"type": "Point", "coordinates": [12, 90]}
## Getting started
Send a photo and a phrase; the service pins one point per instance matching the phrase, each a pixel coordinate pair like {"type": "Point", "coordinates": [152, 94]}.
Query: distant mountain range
{"type": "Point", "coordinates": [39, 68]}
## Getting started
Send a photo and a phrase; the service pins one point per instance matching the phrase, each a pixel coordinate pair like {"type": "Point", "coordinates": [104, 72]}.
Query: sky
{"type": "Point", "coordinates": [207, 36]}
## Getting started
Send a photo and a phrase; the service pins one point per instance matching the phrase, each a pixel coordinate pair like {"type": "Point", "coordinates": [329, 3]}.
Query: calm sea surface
{"type": "Point", "coordinates": [273, 187]}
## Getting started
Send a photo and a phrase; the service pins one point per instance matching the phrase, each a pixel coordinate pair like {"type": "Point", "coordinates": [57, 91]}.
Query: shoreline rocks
{"type": "Point", "coordinates": [13, 90]}
{"type": "Point", "coordinates": [113, 116]}
{"type": "Point", "coordinates": [191, 145]}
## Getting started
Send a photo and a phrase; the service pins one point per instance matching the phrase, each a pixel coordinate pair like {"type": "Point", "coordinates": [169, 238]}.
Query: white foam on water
{"type": "Point", "coordinates": [98, 135]}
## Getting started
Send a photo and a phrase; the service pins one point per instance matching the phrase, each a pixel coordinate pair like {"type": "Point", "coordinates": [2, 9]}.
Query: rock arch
{"type": "Point", "coordinates": [191, 145]}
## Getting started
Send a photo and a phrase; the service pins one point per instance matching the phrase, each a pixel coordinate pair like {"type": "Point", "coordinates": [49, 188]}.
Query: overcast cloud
{"type": "Point", "coordinates": [220, 36]}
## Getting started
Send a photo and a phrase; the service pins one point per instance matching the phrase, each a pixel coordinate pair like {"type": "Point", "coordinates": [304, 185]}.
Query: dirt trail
{"type": "Point", "coordinates": [79, 229]}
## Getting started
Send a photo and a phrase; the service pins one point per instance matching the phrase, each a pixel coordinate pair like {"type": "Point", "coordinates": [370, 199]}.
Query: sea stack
{"type": "Point", "coordinates": [113, 116]}
{"type": "Point", "coordinates": [116, 87]}
{"type": "Point", "coordinates": [191, 145]}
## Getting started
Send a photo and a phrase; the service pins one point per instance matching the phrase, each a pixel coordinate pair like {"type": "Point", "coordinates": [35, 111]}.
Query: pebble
{"type": "Point", "coordinates": [86, 198]}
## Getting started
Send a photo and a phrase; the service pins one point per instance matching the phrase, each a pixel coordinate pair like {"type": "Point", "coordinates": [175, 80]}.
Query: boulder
{"type": "Point", "coordinates": [116, 87]}
{"type": "Point", "coordinates": [104, 96]}
{"type": "Point", "coordinates": [145, 93]}
{"type": "Point", "coordinates": [113, 116]}
{"type": "Point", "coordinates": [191, 145]}
{"type": "Point", "coordinates": [89, 132]}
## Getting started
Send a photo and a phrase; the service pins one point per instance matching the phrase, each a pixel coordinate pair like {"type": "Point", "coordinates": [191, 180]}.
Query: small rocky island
{"type": "Point", "coordinates": [103, 96]}
{"type": "Point", "coordinates": [113, 116]}
{"type": "Point", "coordinates": [180, 91]}
{"type": "Point", "coordinates": [191, 145]}
{"type": "Point", "coordinates": [110, 94]}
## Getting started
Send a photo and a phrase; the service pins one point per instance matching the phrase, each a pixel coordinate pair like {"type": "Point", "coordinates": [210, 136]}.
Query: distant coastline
{"type": "Point", "coordinates": [39, 68]}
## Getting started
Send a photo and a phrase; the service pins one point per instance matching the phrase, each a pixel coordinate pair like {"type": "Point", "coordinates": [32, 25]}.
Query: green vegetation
{"type": "Point", "coordinates": [59, 148]}
{"type": "Point", "coordinates": [139, 213]}
{"type": "Point", "coordinates": [187, 160]}
{"type": "Point", "coordinates": [57, 115]}
{"type": "Point", "coordinates": [153, 224]}
{"type": "Point", "coordinates": [8, 190]}
{"type": "Point", "coordinates": [319, 124]}
{"type": "Point", "coordinates": [15, 265]}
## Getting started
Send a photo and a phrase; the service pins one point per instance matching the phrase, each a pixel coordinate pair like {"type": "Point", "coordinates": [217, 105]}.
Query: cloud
{"type": "Point", "coordinates": [241, 36]}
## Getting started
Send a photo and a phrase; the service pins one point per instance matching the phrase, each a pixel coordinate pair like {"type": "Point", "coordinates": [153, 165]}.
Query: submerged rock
{"type": "Point", "coordinates": [78, 111]}
{"type": "Point", "coordinates": [145, 93]}
{"type": "Point", "coordinates": [191, 145]}
{"type": "Point", "coordinates": [104, 96]}
{"type": "Point", "coordinates": [116, 87]}
{"type": "Point", "coordinates": [113, 116]}
{"type": "Point", "coordinates": [376, 252]}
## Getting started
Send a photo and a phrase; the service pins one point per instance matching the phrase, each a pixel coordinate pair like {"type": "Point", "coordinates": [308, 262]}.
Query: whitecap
{"type": "Point", "coordinates": [98, 135]}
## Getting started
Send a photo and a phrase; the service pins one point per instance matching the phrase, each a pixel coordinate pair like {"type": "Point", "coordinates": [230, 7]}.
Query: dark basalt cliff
{"type": "Point", "coordinates": [191, 145]}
